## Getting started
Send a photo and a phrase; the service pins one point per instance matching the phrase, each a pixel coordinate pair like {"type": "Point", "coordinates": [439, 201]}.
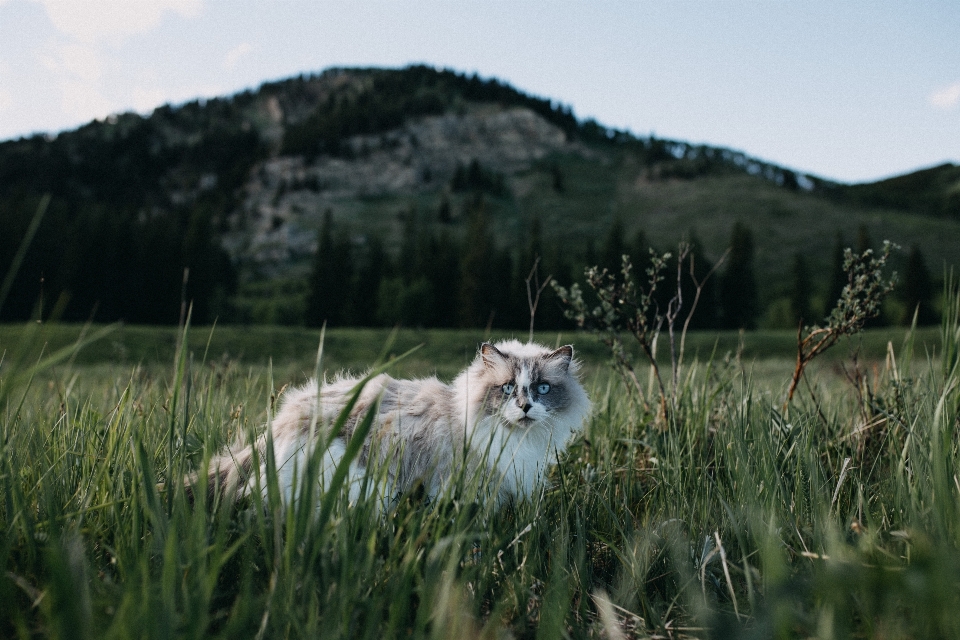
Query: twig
{"type": "Point", "coordinates": [816, 403]}
{"type": "Point", "coordinates": [696, 297]}
{"type": "Point", "coordinates": [534, 300]}
{"type": "Point", "coordinates": [673, 310]}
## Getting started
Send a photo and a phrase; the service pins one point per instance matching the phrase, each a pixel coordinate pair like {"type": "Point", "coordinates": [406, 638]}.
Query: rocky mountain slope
{"type": "Point", "coordinates": [276, 221]}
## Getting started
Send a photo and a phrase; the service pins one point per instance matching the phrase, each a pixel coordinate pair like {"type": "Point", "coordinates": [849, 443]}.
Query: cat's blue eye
{"type": "Point", "coordinates": [508, 388]}
{"type": "Point", "coordinates": [543, 387]}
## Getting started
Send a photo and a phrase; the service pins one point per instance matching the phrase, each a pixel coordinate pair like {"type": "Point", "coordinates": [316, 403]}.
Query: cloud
{"type": "Point", "coordinates": [81, 61]}
{"type": "Point", "coordinates": [87, 50]}
{"type": "Point", "coordinates": [946, 98]}
{"type": "Point", "coordinates": [233, 56]}
{"type": "Point", "coordinates": [94, 20]}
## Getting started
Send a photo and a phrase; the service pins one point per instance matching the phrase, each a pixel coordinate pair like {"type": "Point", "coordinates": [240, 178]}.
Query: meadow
{"type": "Point", "coordinates": [834, 517]}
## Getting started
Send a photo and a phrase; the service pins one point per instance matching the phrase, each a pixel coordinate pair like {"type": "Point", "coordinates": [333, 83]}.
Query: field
{"type": "Point", "coordinates": [837, 517]}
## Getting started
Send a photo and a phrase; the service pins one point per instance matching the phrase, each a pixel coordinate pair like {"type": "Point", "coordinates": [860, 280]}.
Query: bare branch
{"type": "Point", "coordinates": [674, 307]}
{"type": "Point", "coordinates": [533, 300]}
{"type": "Point", "coordinates": [696, 297]}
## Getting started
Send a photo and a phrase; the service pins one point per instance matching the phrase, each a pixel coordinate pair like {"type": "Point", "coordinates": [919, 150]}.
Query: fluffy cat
{"type": "Point", "coordinates": [505, 417]}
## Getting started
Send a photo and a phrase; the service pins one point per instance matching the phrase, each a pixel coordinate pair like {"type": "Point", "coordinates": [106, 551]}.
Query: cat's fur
{"type": "Point", "coordinates": [426, 431]}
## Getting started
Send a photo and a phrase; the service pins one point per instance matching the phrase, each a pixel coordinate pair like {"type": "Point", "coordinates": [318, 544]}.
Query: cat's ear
{"type": "Point", "coordinates": [562, 356]}
{"type": "Point", "coordinates": [491, 355]}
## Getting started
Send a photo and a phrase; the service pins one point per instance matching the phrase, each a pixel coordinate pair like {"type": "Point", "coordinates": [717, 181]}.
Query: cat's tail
{"type": "Point", "coordinates": [227, 475]}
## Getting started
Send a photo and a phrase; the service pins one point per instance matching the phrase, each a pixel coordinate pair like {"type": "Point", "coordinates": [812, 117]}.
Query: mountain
{"type": "Point", "coordinates": [387, 161]}
{"type": "Point", "coordinates": [934, 191]}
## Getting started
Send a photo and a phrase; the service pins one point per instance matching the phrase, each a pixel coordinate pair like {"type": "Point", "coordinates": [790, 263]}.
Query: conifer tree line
{"type": "Point", "coordinates": [101, 263]}
{"type": "Point", "coordinates": [437, 279]}
{"type": "Point", "coordinates": [439, 276]}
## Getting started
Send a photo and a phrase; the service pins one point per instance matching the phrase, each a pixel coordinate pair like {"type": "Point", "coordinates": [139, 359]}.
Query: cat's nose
{"type": "Point", "coordinates": [525, 406]}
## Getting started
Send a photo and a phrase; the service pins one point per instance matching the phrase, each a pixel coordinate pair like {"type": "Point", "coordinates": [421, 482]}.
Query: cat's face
{"type": "Point", "coordinates": [528, 385]}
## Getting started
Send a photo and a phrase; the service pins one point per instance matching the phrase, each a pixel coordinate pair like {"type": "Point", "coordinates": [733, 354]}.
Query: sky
{"type": "Point", "coordinates": [849, 90]}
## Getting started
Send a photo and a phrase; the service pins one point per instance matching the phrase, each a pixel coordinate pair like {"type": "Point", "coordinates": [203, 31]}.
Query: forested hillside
{"type": "Point", "coordinates": [423, 197]}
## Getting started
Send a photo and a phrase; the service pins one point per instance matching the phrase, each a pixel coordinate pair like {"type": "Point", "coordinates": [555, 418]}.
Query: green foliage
{"type": "Point", "coordinates": [625, 305]}
{"type": "Point", "coordinates": [863, 294]}
{"type": "Point", "coordinates": [860, 301]}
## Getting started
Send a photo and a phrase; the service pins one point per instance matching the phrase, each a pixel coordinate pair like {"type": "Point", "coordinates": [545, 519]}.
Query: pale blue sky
{"type": "Point", "coordinates": [850, 90]}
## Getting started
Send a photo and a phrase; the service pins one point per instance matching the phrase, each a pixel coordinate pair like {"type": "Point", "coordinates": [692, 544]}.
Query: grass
{"type": "Point", "coordinates": [838, 519]}
{"type": "Point", "coordinates": [445, 351]}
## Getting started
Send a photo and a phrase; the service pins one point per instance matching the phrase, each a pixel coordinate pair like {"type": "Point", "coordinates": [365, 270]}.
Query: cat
{"type": "Point", "coordinates": [505, 418]}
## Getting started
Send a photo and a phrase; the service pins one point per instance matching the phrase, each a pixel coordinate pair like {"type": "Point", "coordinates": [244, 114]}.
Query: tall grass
{"type": "Point", "coordinates": [734, 520]}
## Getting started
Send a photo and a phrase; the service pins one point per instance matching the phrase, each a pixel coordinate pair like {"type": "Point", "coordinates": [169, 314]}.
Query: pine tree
{"type": "Point", "coordinates": [476, 268]}
{"type": "Point", "coordinates": [529, 257]}
{"type": "Point", "coordinates": [443, 271]}
{"type": "Point", "coordinates": [918, 290]}
{"type": "Point", "coordinates": [330, 279]}
{"type": "Point", "coordinates": [639, 251]}
{"type": "Point", "coordinates": [444, 210]}
{"type": "Point", "coordinates": [790, 181]}
{"type": "Point", "coordinates": [800, 292]}
{"type": "Point", "coordinates": [706, 315]}
{"type": "Point", "coordinates": [560, 267]}
{"type": "Point", "coordinates": [534, 248]}
{"type": "Point", "coordinates": [738, 288]}
{"type": "Point", "coordinates": [211, 273]}
{"type": "Point", "coordinates": [863, 239]}
{"type": "Point", "coordinates": [557, 177]}
{"type": "Point", "coordinates": [506, 296]}
{"type": "Point", "coordinates": [838, 277]}
{"type": "Point", "coordinates": [590, 254]}
{"type": "Point", "coordinates": [409, 262]}
{"type": "Point", "coordinates": [614, 248]}
{"type": "Point", "coordinates": [376, 265]}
